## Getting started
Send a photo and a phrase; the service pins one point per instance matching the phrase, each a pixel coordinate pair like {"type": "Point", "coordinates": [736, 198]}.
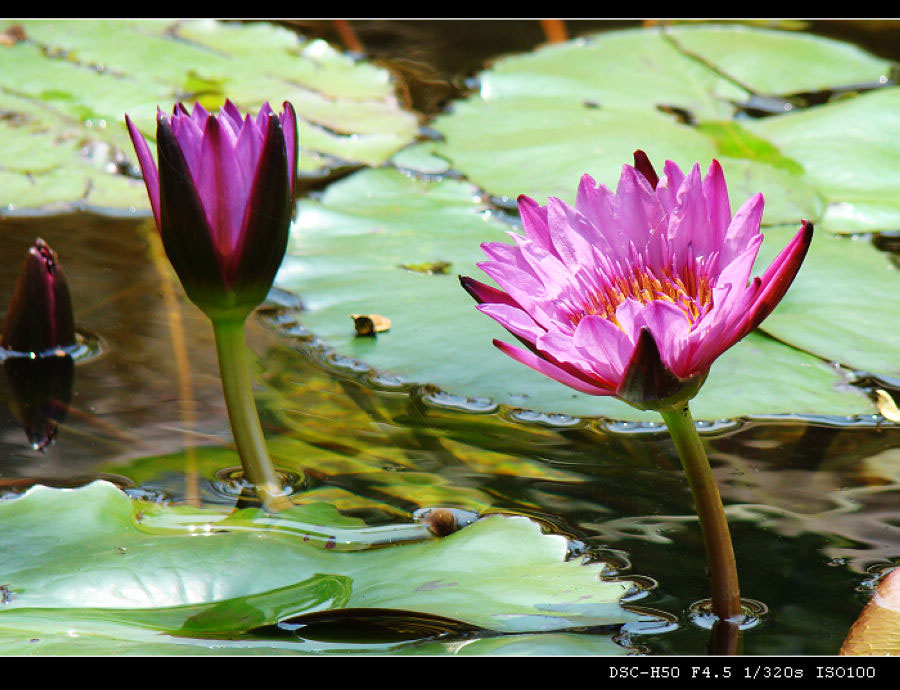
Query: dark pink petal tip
{"type": "Point", "coordinates": [779, 276]}
{"type": "Point", "coordinates": [482, 293]}
{"type": "Point", "coordinates": [642, 165]}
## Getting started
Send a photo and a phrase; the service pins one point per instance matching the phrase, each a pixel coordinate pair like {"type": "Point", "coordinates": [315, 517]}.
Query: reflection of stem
{"type": "Point", "coordinates": [242, 414]}
{"type": "Point", "coordinates": [725, 639]}
{"type": "Point", "coordinates": [182, 366]}
{"type": "Point", "coordinates": [726, 599]}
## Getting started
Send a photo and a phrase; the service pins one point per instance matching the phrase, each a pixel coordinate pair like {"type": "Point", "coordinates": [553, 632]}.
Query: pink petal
{"type": "Point", "coordinates": [606, 346]}
{"type": "Point", "coordinates": [547, 369]}
{"type": "Point", "coordinates": [515, 320]}
{"type": "Point", "coordinates": [716, 192]}
{"type": "Point", "coordinates": [778, 278]}
{"type": "Point", "coordinates": [742, 228]}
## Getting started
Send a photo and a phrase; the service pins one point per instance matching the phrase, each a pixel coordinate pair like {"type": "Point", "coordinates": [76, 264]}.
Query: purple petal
{"type": "Point", "coordinates": [148, 166]}
{"type": "Point", "coordinates": [222, 190]}
{"type": "Point", "coordinates": [291, 143]}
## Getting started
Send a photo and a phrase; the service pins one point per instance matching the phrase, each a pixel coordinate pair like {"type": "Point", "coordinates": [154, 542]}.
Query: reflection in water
{"type": "Point", "coordinates": [801, 493]}
{"type": "Point", "coordinates": [40, 390]}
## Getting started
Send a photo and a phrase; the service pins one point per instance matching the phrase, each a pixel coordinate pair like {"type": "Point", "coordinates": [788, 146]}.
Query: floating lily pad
{"type": "Point", "coordinates": [850, 150]}
{"type": "Point", "coordinates": [344, 257]}
{"type": "Point", "coordinates": [842, 305]}
{"type": "Point", "coordinates": [779, 62]}
{"type": "Point", "coordinates": [539, 121]}
{"type": "Point", "coordinates": [92, 556]}
{"type": "Point", "coordinates": [68, 84]}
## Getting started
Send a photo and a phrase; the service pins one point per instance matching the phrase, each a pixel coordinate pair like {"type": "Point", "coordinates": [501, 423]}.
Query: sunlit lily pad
{"type": "Point", "coordinates": [345, 257]}
{"type": "Point", "coordinates": [703, 69]}
{"type": "Point", "coordinates": [68, 84]}
{"type": "Point", "coordinates": [112, 560]}
{"type": "Point", "coordinates": [541, 120]}
{"type": "Point", "coordinates": [850, 150]}
{"type": "Point", "coordinates": [842, 305]}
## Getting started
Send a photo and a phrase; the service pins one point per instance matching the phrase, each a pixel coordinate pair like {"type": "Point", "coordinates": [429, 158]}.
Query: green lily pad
{"type": "Point", "coordinates": [850, 150]}
{"type": "Point", "coordinates": [842, 305]}
{"type": "Point", "coordinates": [345, 257]}
{"type": "Point", "coordinates": [94, 557]}
{"type": "Point", "coordinates": [61, 636]}
{"type": "Point", "coordinates": [68, 84]}
{"type": "Point", "coordinates": [779, 62]}
{"type": "Point", "coordinates": [539, 121]}
{"type": "Point", "coordinates": [701, 69]}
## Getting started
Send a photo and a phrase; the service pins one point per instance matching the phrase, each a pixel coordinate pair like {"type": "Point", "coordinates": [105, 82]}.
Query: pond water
{"type": "Point", "coordinates": [812, 503]}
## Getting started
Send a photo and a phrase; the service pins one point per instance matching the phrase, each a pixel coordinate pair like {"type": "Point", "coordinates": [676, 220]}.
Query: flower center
{"type": "Point", "coordinates": [689, 290]}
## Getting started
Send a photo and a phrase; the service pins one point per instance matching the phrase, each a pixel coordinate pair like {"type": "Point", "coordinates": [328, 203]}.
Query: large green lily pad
{"type": "Point", "coordinates": [842, 305]}
{"type": "Point", "coordinates": [94, 557]}
{"type": "Point", "coordinates": [347, 255]}
{"type": "Point", "coordinates": [850, 150]}
{"type": "Point", "coordinates": [65, 88]}
{"type": "Point", "coordinates": [539, 121]}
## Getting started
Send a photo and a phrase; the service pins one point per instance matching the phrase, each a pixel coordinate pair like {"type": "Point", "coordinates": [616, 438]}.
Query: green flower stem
{"type": "Point", "coordinates": [248, 436]}
{"type": "Point", "coordinates": [726, 598]}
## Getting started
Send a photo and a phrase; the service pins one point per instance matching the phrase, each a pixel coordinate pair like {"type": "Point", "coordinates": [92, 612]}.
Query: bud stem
{"type": "Point", "coordinates": [726, 598]}
{"type": "Point", "coordinates": [243, 416]}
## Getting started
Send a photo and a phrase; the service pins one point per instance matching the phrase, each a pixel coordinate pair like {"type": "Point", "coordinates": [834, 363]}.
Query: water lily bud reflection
{"type": "Point", "coordinates": [40, 391]}
{"type": "Point", "coordinates": [38, 336]}
{"type": "Point", "coordinates": [222, 197]}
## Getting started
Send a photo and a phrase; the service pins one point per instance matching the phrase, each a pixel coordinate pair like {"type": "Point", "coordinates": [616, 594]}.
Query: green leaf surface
{"type": "Point", "coordinates": [842, 305]}
{"type": "Point", "coordinates": [345, 257]}
{"type": "Point", "coordinates": [94, 557]}
{"type": "Point", "coordinates": [779, 62]}
{"type": "Point", "coordinates": [541, 120]}
{"type": "Point", "coordinates": [65, 89]}
{"type": "Point", "coordinates": [850, 150]}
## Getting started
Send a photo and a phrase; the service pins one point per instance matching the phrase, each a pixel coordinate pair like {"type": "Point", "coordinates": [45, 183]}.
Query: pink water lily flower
{"type": "Point", "coordinates": [635, 293]}
{"type": "Point", "coordinates": [222, 197]}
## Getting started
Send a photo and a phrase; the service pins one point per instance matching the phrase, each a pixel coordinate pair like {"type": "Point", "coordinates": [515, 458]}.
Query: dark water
{"type": "Point", "coordinates": [812, 503]}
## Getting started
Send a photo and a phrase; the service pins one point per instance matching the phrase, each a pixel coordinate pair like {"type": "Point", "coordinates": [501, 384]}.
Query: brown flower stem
{"type": "Point", "coordinates": [243, 416]}
{"type": "Point", "coordinates": [726, 598]}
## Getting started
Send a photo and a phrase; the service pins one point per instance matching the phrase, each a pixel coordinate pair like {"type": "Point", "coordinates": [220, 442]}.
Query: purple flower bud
{"type": "Point", "coordinates": [40, 318]}
{"type": "Point", "coordinates": [222, 198]}
{"type": "Point", "coordinates": [635, 293]}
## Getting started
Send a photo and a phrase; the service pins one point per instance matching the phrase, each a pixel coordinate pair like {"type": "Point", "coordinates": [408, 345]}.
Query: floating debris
{"type": "Point", "coordinates": [370, 325]}
{"type": "Point", "coordinates": [887, 407]}
{"type": "Point", "coordinates": [429, 267]}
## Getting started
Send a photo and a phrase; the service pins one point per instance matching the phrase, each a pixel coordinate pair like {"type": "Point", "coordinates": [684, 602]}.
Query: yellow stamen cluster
{"type": "Point", "coordinates": [688, 291]}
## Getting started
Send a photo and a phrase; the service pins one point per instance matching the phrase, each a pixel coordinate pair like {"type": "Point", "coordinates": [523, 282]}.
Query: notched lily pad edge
{"type": "Point", "coordinates": [284, 319]}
